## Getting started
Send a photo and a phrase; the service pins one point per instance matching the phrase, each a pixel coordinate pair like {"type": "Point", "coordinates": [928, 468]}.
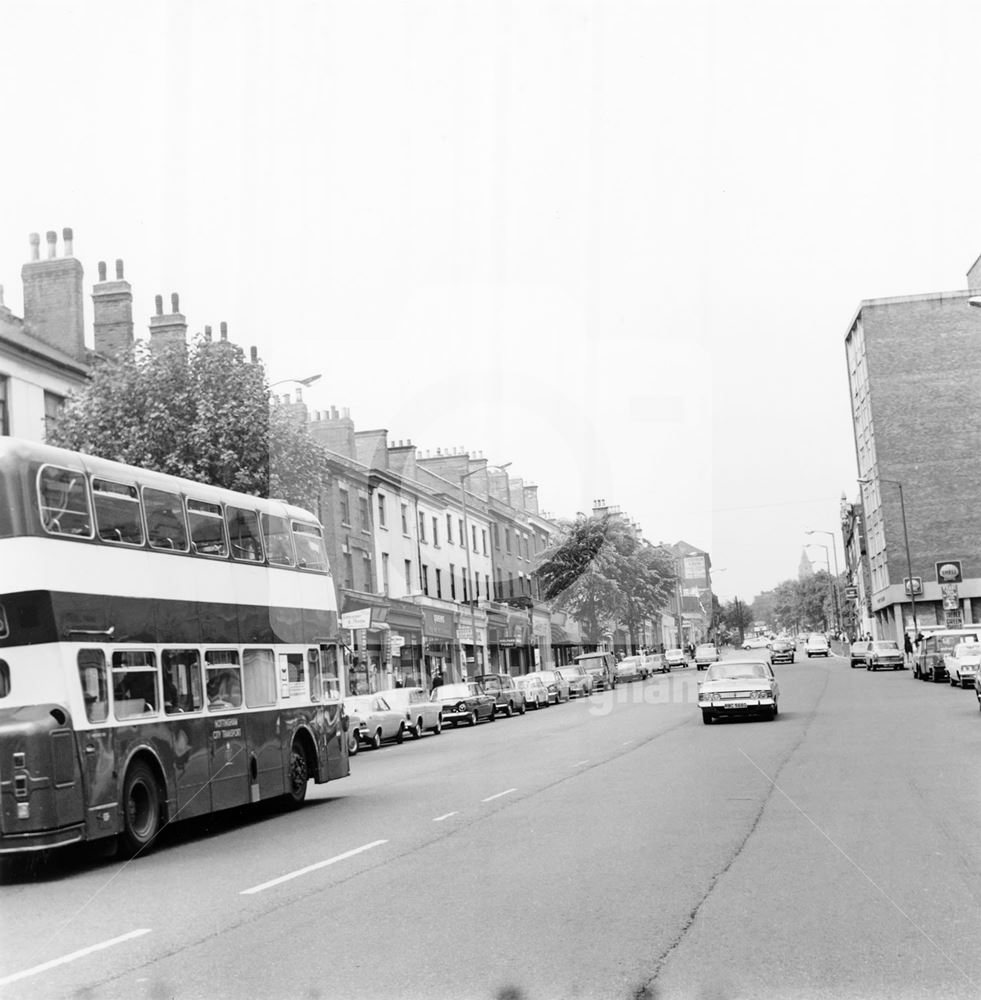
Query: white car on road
{"type": "Point", "coordinates": [817, 645]}
{"type": "Point", "coordinates": [963, 663]}
{"type": "Point", "coordinates": [738, 687]}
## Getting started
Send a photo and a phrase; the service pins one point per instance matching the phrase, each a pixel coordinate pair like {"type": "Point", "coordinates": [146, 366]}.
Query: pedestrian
{"type": "Point", "coordinates": [437, 679]}
{"type": "Point", "coordinates": [907, 648]}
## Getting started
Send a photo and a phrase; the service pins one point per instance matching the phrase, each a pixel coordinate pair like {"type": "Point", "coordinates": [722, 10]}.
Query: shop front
{"type": "Point", "coordinates": [405, 624]}
{"type": "Point", "coordinates": [438, 644]}
{"type": "Point", "coordinates": [473, 654]}
{"type": "Point", "coordinates": [367, 658]}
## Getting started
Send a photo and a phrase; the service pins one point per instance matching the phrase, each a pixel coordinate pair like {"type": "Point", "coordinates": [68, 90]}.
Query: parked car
{"type": "Point", "coordinates": [817, 645]}
{"type": "Point", "coordinates": [601, 668]}
{"type": "Point", "coordinates": [963, 663]}
{"type": "Point", "coordinates": [884, 653]}
{"type": "Point", "coordinates": [782, 651]}
{"type": "Point", "coordinates": [705, 655]}
{"type": "Point", "coordinates": [507, 695]}
{"type": "Point", "coordinates": [675, 658]}
{"type": "Point", "coordinates": [738, 687]}
{"type": "Point", "coordinates": [372, 722]}
{"type": "Point", "coordinates": [534, 690]}
{"type": "Point", "coordinates": [421, 713]}
{"type": "Point", "coordinates": [929, 662]}
{"type": "Point", "coordinates": [631, 668]}
{"type": "Point", "coordinates": [857, 653]}
{"type": "Point", "coordinates": [464, 702]}
{"type": "Point", "coordinates": [579, 680]}
{"type": "Point", "coordinates": [756, 642]}
{"type": "Point", "coordinates": [556, 685]}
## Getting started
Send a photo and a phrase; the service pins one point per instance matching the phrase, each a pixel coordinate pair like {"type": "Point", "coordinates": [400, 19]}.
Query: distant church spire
{"type": "Point", "coordinates": [805, 569]}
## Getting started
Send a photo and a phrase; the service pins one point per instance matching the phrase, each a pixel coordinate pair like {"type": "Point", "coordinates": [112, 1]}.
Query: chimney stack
{"type": "Point", "coordinates": [112, 311]}
{"type": "Point", "coordinates": [53, 296]}
{"type": "Point", "coordinates": [170, 330]}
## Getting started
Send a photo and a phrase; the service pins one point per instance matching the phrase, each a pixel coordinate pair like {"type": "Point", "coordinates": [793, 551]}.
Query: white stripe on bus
{"type": "Point", "coordinates": [81, 953]}
{"type": "Point", "coordinates": [310, 868]}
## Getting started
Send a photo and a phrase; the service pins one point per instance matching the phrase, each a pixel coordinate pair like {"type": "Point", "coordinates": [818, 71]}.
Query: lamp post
{"type": "Point", "coordinates": [909, 562]}
{"type": "Point", "coordinates": [466, 545]}
{"type": "Point", "coordinates": [831, 588]}
{"type": "Point", "coordinates": [834, 552]}
{"type": "Point", "coordinates": [308, 381]}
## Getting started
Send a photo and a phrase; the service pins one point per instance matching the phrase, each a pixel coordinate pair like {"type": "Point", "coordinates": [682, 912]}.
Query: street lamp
{"type": "Point", "coordinates": [909, 562]}
{"type": "Point", "coordinates": [308, 381]}
{"type": "Point", "coordinates": [834, 552]}
{"type": "Point", "coordinates": [827, 562]}
{"type": "Point", "coordinates": [466, 544]}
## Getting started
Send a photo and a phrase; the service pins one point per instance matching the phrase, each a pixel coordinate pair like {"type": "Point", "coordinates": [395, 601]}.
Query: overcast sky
{"type": "Point", "coordinates": [616, 244]}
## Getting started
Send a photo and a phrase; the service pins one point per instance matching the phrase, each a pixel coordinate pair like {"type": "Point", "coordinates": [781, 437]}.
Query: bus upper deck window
{"type": "Point", "coordinates": [243, 534]}
{"type": "Point", "coordinates": [63, 500]}
{"type": "Point", "coordinates": [117, 512]}
{"type": "Point", "coordinates": [279, 547]}
{"type": "Point", "coordinates": [165, 520]}
{"type": "Point", "coordinates": [310, 551]}
{"type": "Point", "coordinates": [4, 631]}
{"type": "Point", "coordinates": [207, 528]}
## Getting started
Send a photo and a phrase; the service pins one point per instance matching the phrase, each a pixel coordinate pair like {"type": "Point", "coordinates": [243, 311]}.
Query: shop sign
{"type": "Point", "coordinates": [438, 623]}
{"type": "Point", "coordinates": [464, 634]}
{"type": "Point", "coordinates": [949, 571]}
{"type": "Point", "coordinates": [917, 585]}
{"type": "Point", "coordinates": [953, 619]}
{"type": "Point", "coordinates": [507, 642]}
{"type": "Point", "coordinates": [398, 641]}
{"type": "Point", "coordinates": [356, 619]}
{"type": "Point", "coordinates": [851, 593]}
{"type": "Point", "coordinates": [950, 596]}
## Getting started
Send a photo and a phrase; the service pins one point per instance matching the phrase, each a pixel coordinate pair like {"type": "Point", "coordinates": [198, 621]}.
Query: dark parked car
{"type": "Point", "coordinates": [508, 697]}
{"type": "Point", "coordinates": [782, 651]}
{"type": "Point", "coordinates": [464, 702]}
{"type": "Point", "coordinates": [858, 651]}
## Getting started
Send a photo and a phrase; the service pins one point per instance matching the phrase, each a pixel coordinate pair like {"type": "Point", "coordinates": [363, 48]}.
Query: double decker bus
{"type": "Point", "coordinates": [168, 649]}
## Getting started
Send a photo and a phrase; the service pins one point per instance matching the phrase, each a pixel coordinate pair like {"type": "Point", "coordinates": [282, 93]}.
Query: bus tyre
{"type": "Point", "coordinates": [298, 776]}
{"type": "Point", "coordinates": [141, 810]}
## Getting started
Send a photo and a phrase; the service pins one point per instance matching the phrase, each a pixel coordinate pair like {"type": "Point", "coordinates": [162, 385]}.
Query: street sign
{"type": "Point", "coordinates": [851, 593]}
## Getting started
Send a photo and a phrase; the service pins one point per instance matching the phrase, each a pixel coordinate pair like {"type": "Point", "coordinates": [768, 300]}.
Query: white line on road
{"type": "Point", "coordinates": [81, 953]}
{"type": "Point", "coordinates": [579, 763]}
{"type": "Point", "coordinates": [498, 795]}
{"type": "Point", "coordinates": [626, 743]}
{"type": "Point", "coordinates": [439, 819]}
{"type": "Point", "coordinates": [311, 868]}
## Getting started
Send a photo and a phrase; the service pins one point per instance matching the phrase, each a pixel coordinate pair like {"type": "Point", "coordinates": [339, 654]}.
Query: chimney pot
{"type": "Point", "coordinates": [69, 238]}
{"type": "Point", "coordinates": [346, 413]}
{"type": "Point", "coordinates": [175, 303]}
{"type": "Point", "coordinates": [223, 326]}
{"type": "Point", "coordinates": [102, 270]}
{"type": "Point", "coordinates": [119, 269]}
{"type": "Point", "coordinates": [35, 240]}
{"type": "Point", "coordinates": [207, 332]}
{"type": "Point", "coordinates": [52, 238]}
{"type": "Point", "coordinates": [159, 302]}
{"type": "Point", "coordinates": [254, 354]}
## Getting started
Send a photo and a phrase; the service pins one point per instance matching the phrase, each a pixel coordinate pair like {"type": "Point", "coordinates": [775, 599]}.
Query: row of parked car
{"type": "Point", "coordinates": [396, 713]}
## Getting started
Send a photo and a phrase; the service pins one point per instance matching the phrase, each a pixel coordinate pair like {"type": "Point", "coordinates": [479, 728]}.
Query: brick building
{"type": "Point", "coordinates": [913, 370]}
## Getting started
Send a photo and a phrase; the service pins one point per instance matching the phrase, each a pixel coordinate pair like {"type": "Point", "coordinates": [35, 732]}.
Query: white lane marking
{"type": "Point", "coordinates": [498, 795]}
{"type": "Point", "coordinates": [626, 743]}
{"type": "Point", "coordinates": [579, 763]}
{"type": "Point", "coordinates": [439, 819]}
{"type": "Point", "coordinates": [311, 868]}
{"type": "Point", "coordinates": [81, 953]}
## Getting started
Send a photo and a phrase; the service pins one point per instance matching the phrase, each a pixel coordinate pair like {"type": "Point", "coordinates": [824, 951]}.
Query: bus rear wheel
{"type": "Point", "coordinates": [298, 777]}
{"type": "Point", "coordinates": [141, 810]}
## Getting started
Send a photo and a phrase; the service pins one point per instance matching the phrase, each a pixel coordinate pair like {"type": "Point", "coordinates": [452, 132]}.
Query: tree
{"type": "Point", "coordinates": [200, 412]}
{"type": "Point", "coordinates": [604, 575]}
{"type": "Point", "coordinates": [738, 616]}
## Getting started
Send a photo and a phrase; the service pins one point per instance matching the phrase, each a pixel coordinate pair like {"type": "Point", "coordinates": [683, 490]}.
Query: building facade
{"type": "Point", "coordinates": [913, 371]}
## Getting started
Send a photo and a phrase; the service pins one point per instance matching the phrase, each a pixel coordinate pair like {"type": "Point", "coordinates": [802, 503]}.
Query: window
{"type": "Point", "coordinates": [507, 540]}
{"type": "Point", "coordinates": [348, 571]}
{"type": "Point", "coordinates": [487, 587]}
{"type": "Point", "coordinates": [365, 513]}
{"type": "Point", "coordinates": [324, 684]}
{"type": "Point", "coordinates": [292, 675]}
{"type": "Point", "coordinates": [134, 683]}
{"type": "Point", "coordinates": [476, 586]}
{"type": "Point", "coordinates": [207, 528]}
{"type": "Point", "coordinates": [381, 511]}
{"type": "Point", "coordinates": [449, 529]}
{"type": "Point", "coordinates": [408, 576]}
{"type": "Point", "coordinates": [463, 581]}
{"type": "Point", "coordinates": [436, 531]}
{"type": "Point", "coordinates": [452, 582]}
{"type": "Point", "coordinates": [181, 681]}
{"type": "Point", "coordinates": [462, 535]}
{"type": "Point", "coordinates": [223, 680]}
{"type": "Point", "coordinates": [243, 534]}
{"type": "Point", "coordinates": [117, 512]}
{"type": "Point", "coordinates": [4, 412]}
{"type": "Point", "coordinates": [424, 579]}
{"type": "Point", "coordinates": [53, 407]}
{"type": "Point", "coordinates": [510, 585]}
{"type": "Point", "coordinates": [405, 519]}
{"type": "Point", "coordinates": [64, 502]}
{"type": "Point", "coordinates": [165, 523]}
{"type": "Point", "coordinates": [439, 582]}
{"type": "Point", "coordinates": [308, 540]}
{"type": "Point", "coordinates": [95, 690]}
{"type": "Point", "coordinates": [473, 531]}
{"type": "Point", "coordinates": [369, 584]}
{"type": "Point", "coordinates": [384, 579]}
{"type": "Point", "coordinates": [483, 539]}
{"type": "Point", "coordinates": [345, 506]}
{"type": "Point", "coordinates": [259, 674]}
{"type": "Point", "coordinates": [496, 531]}
{"type": "Point", "coordinates": [276, 535]}
{"type": "Point", "coordinates": [422, 526]}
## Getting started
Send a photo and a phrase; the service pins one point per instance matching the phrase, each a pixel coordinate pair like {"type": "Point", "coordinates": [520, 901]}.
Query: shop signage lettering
{"type": "Point", "coordinates": [356, 619]}
{"type": "Point", "coordinates": [227, 729]}
{"type": "Point", "coordinates": [949, 572]}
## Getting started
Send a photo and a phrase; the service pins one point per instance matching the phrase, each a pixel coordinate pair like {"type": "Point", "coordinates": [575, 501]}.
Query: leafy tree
{"type": "Point", "coordinates": [604, 575]}
{"type": "Point", "coordinates": [202, 413]}
{"type": "Point", "coordinates": [738, 616]}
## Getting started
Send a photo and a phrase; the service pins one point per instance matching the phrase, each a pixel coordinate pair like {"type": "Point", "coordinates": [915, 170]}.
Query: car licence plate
{"type": "Point", "coordinates": [735, 704]}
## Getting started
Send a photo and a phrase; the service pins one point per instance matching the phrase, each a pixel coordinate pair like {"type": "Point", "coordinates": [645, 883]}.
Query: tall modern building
{"type": "Point", "coordinates": [914, 373]}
